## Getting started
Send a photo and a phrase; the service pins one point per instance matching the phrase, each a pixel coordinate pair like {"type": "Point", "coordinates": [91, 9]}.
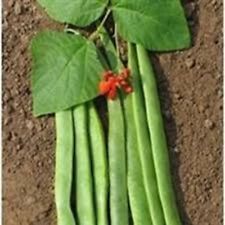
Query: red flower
{"type": "Point", "coordinates": [112, 93]}
{"type": "Point", "coordinates": [107, 75]}
{"type": "Point", "coordinates": [104, 87]}
{"type": "Point", "coordinates": [111, 82]}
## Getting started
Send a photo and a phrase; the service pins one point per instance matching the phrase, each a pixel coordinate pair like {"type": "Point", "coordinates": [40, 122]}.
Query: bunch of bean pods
{"type": "Point", "coordinates": [123, 178]}
{"type": "Point", "coordinates": [119, 175]}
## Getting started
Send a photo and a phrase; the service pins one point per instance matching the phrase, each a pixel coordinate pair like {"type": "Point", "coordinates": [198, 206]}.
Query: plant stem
{"type": "Point", "coordinates": [70, 30]}
{"type": "Point", "coordinates": [95, 34]}
{"type": "Point", "coordinates": [117, 45]}
{"type": "Point", "coordinates": [158, 139]}
{"type": "Point", "coordinates": [64, 167]}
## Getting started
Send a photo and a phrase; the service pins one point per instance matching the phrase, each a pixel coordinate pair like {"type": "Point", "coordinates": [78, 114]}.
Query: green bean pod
{"type": "Point", "coordinates": [82, 169]}
{"type": "Point", "coordinates": [137, 195]}
{"type": "Point", "coordinates": [144, 142]}
{"type": "Point", "coordinates": [116, 149]}
{"type": "Point", "coordinates": [64, 167]}
{"type": "Point", "coordinates": [99, 164]}
{"type": "Point", "coordinates": [158, 139]}
{"type": "Point", "coordinates": [117, 165]}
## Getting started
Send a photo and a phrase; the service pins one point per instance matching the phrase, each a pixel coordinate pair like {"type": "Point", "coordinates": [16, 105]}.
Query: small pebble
{"type": "Point", "coordinates": [5, 13]}
{"type": "Point", "coordinates": [30, 200]}
{"type": "Point", "coordinates": [5, 24]}
{"type": "Point", "coordinates": [7, 120]}
{"type": "Point", "coordinates": [219, 75]}
{"type": "Point", "coordinates": [18, 147]}
{"type": "Point", "coordinates": [17, 164]}
{"type": "Point", "coordinates": [190, 63]}
{"type": "Point", "coordinates": [177, 96]}
{"type": "Point", "coordinates": [208, 124]}
{"type": "Point", "coordinates": [214, 2]}
{"type": "Point", "coordinates": [201, 108]}
{"type": "Point", "coordinates": [17, 8]}
{"type": "Point", "coordinates": [40, 164]}
{"type": "Point", "coordinates": [176, 150]}
{"type": "Point", "coordinates": [29, 124]}
{"type": "Point", "coordinates": [39, 127]}
{"type": "Point", "coordinates": [14, 135]}
{"type": "Point", "coordinates": [220, 94]}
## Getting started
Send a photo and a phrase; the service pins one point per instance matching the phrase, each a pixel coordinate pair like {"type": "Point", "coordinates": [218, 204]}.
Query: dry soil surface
{"type": "Point", "coordinates": [190, 84]}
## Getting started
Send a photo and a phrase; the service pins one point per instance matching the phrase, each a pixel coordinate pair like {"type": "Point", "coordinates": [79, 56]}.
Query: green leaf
{"type": "Point", "coordinates": [66, 71]}
{"type": "Point", "coordinates": [77, 12]}
{"type": "Point", "coordinates": [156, 24]}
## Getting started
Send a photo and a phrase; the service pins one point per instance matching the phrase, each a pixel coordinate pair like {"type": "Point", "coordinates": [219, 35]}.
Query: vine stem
{"type": "Point", "coordinates": [117, 45]}
{"type": "Point", "coordinates": [70, 30]}
{"type": "Point", "coordinates": [95, 34]}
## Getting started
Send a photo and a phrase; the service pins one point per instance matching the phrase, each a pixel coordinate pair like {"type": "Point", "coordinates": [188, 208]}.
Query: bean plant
{"type": "Point", "coordinates": [119, 175]}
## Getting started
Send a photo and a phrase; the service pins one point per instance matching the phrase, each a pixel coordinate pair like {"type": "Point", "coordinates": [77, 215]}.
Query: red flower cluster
{"type": "Point", "coordinates": [111, 82]}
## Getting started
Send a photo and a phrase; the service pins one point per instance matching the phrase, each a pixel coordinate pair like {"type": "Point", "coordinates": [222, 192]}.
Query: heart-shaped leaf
{"type": "Point", "coordinates": [77, 12]}
{"type": "Point", "coordinates": [66, 71]}
{"type": "Point", "coordinates": [156, 24]}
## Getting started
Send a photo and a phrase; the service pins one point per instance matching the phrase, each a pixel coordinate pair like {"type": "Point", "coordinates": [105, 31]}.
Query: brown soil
{"type": "Point", "coordinates": [190, 84]}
